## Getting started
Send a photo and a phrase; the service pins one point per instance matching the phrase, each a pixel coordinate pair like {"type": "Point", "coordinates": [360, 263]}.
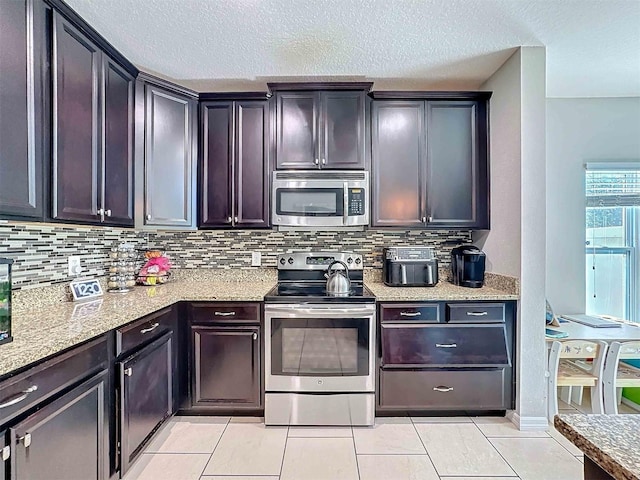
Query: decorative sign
{"type": "Point", "coordinates": [83, 289]}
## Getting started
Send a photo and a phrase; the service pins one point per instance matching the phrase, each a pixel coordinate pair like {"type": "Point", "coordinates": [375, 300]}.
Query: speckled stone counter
{"type": "Point", "coordinates": [442, 291]}
{"type": "Point", "coordinates": [612, 442]}
{"type": "Point", "coordinates": [39, 333]}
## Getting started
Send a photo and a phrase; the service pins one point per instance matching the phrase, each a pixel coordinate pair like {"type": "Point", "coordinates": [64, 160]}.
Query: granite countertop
{"type": "Point", "coordinates": [44, 323]}
{"type": "Point", "coordinates": [611, 441]}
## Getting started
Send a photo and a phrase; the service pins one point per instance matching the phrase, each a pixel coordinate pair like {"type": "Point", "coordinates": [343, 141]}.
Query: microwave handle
{"type": "Point", "coordinates": [345, 210]}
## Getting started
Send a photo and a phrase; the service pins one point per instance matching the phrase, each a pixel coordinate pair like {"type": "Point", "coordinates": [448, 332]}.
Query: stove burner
{"type": "Point", "coordinates": [315, 291]}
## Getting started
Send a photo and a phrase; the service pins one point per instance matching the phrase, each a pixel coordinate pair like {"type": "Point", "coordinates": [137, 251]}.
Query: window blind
{"type": "Point", "coordinates": [613, 187]}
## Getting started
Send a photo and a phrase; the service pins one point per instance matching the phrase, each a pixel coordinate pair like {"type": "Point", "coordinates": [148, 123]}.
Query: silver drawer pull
{"type": "Point", "coordinates": [26, 440]}
{"type": "Point", "coordinates": [224, 314]}
{"type": "Point", "coordinates": [410, 314]}
{"type": "Point", "coordinates": [5, 453]}
{"type": "Point", "coordinates": [20, 397]}
{"type": "Point", "coordinates": [477, 314]}
{"type": "Point", "coordinates": [446, 345]}
{"type": "Point", "coordinates": [443, 389]}
{"type": "Point", "coordinates": [128, 371]}
{"type": "Point", "coordinates": [151, 328]}
{"type": "Point", "coordinates": [255, 336]}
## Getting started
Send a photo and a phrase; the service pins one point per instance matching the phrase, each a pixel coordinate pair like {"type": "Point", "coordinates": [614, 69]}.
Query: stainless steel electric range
{"type": "Point", "coordinates": [319, 348]}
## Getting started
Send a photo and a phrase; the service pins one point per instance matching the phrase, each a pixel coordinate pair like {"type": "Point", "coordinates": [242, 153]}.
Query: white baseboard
{"type": "Point", "coordinates": [528, 423]}
{"type": "Point", "coordinates": [631, 404]}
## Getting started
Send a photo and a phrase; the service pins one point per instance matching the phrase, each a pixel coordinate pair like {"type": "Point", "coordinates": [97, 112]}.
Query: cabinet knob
{"type": "Point", "coordinates": [100, 211]}
{"type": "Point", "coordinates": [255, 336]}
{"type": "Point", "coordinates": [228, 219]}
{"type": "Point", "coordinates": [424, 219]}
{"type": "Point", "coordinates": [316, 161]}
{"type": "Point", "coordinates": [148, 216]}
{"type": "Point", "coordinates": [430, 219]}
{"type": "Point", "coordinates": [107, 212]}
{"type": "Point", "coordinates": [5, 453]}
{"type": "Point", "coordinates": [128, 371]}
{"type": "Point", "coordinates": [235, 219]}
{"type": "Point", "coordinates": [26, 440]}
{"type": "Point", "coordinates": [324, 161]}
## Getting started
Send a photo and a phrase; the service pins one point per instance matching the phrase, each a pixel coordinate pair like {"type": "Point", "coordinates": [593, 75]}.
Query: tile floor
{"type": "Point", "coordinates": [453, 448]}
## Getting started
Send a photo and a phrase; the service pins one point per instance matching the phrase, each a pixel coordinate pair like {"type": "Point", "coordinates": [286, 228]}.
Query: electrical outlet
{"type": "Point", "coordinates": [74, 266]}
{"type": "Point", "coordinates": [256, 259]}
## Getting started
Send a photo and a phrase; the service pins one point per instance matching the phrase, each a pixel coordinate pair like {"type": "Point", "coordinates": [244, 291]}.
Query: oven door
{"type": "Point", "coordinates": [319, 348]}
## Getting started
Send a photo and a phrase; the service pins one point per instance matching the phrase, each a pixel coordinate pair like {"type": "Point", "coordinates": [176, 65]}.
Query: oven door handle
{"type": "Point", "coordinates": [301, 310]}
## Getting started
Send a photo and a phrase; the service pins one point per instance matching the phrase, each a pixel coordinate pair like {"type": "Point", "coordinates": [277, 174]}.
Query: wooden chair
{"type": "Point", "coordinates": [617, 374]}
{"type": "Point", "coordinates": [576, 363]}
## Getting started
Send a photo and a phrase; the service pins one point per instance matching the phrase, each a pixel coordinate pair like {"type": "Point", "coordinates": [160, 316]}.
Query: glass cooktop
{"type": "Point", "coordinates": [316, 292]}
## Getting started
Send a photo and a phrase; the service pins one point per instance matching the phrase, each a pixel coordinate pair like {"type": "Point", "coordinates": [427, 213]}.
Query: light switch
{"type": "Point", "coordinates": [74, 266]}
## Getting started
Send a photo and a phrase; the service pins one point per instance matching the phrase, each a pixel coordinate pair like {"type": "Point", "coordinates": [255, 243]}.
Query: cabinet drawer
{"type": "Point", "coordinates": [428, 345]}
{"type": "Point", "coordinates": [141, 331]}
{"type": "Point", "coordinates": [475, 312]}
{"type": "Point", "coordinates": [225, 312]}
{"type": "Point", "coordinates": [469, 389]}
{"type": "Point", "coordinates": [25, 390]}
{"type": "Point", "coordinates": [409, 312]}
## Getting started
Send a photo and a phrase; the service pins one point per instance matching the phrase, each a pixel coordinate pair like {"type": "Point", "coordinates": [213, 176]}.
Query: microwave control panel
{"type": "Point", "coordinates": [356, 201]}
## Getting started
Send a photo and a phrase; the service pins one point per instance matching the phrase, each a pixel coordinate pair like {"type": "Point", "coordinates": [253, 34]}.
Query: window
{"type": "Point", "coordinates": [613, 239]}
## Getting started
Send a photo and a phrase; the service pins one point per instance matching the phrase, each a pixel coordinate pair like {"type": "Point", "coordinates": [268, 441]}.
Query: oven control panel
{"type": "Point", "coordinates": [356, 201]}
{"type": "Point", "coordinates": [318, 260]}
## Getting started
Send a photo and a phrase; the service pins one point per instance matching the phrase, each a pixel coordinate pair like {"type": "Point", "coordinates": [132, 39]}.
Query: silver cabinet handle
{"type": "Point", "coordinates": [107, 212]}
{"type": "Point", "coordinates": [128, 371]}
{"type": "Point", "coordinates": [324, 161]}
{"type": "Point", "coordinates": [446, 345]}
{"type": "Point", "coordinates": [148, 216]}
{"type": "Point", "coordinates": [150, 329]}
{"type": "Point", "coordinates": [430, 218]}
{"type": "Point", "coordinates": [316, 161]}
{"type": "Point", "coordinates": [5, 453]}
{"type": "Point", "coordinates": [424, 219]}
{"type": "Point", "coordinates": [101, 213]}
{"type": "Point", "coordinates": [26, 440]}
{"type": "Point", "coordinates": [255, 336]}
{"type": "Point", "coordinates": [228, 219]}
{"type": "Point", "coordinates": [235, 219]}
{"type": "Point", "coordinates": [224, 314]}
{"type": "Point", "coordinates": [477, 314]}
{"type": "Point", "coordinates": [20, 397]}
{"type": "Point", "coordinates": [410, 314]}
{"type": "Point", "coordinates": [443, 389]}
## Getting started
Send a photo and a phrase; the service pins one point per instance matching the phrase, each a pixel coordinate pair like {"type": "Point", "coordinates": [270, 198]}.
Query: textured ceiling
{"type": "Point", "coordinates": [593, 46]}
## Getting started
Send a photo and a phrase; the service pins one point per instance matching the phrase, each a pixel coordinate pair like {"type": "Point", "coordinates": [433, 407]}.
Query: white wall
{"type": "Point", "coordinates": [579, 130]}
{"type": "Point", "coordinates": [515, 245]}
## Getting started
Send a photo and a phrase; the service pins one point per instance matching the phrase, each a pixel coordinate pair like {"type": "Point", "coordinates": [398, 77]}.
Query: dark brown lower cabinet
{"type": "Point", "coordinates": [226, 367]}
{"type": "Point", "coordinates": [146, 396]}
{"type": "Point", "coordinates": [5, 455]}
{"type": "Point", "coordinates": [64, 440]}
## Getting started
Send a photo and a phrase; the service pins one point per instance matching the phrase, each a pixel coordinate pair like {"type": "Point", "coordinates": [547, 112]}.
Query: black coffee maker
{"type": "Point", "coordinates": [467, 266]}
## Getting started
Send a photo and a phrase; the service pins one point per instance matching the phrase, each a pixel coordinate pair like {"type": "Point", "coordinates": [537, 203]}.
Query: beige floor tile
{"type": "Point", "coordinates": [242, 477]}
{"type": "Point", "coordinates": [462, 449]}
{"type": "Point", "coordinates": [539, 458]}
{"type": "Point", "coordinates": [441, 419]}
{"type": "Point", "coordinates": [319, 459]}
{"type": "Point", "coordinates": [502, 427]}
{"type": "Point", "coordinates": [479, 478]}
{"type": "Point", "coordinates": [248, 449]}
{"type": "Point", "coordinates": [246, 420]}
{"type": "Point", "coordinates": [188, 435]}
{"type": "Point", "coordinates": [321, 432]}
{"type": "Point", "coordinates": [390, 467]}
{"type": "Point", "coordinates": [168, 466]}
{"type": "Point", "coordinates": [564, 441]}
{"type": "Point", "coordinates": [393, 420]}
{"type": "Point", "coordinates": [387, 438]}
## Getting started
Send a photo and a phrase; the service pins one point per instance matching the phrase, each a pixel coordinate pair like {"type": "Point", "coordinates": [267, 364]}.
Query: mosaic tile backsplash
{"type": "Point", "coordinates": [40, 250]}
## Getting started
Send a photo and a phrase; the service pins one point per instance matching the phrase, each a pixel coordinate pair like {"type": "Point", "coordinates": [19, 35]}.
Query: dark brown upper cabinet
{"type": "Point", "coordinates": [92, 131]}
{"type": "Point", "coordinates": [24, 67]}
{"type": "Point", "coordinates": [234, 172]}
{"type": "Point", "coordinates": [430, 160]}
{"type": "Point", "coordinates": [320, 126]}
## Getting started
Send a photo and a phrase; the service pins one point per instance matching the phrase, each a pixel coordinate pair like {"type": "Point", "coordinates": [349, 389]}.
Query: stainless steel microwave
{"type": "Point", "coordinates": [320, 198]}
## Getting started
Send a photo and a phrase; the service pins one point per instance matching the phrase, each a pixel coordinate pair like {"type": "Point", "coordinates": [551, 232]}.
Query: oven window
{"type": "Point", "coordinates": [310, 202]}
{"type": "Point", "coordinates": [327, 347]}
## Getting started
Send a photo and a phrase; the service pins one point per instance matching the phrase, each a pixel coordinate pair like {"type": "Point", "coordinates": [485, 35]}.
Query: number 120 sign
{"type": "Point", "coordinates": [82, 289]}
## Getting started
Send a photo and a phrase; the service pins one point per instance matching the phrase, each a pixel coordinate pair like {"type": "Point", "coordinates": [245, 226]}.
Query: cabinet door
{"type": "Point", "coordinates": [146, 396]}
{"type": "Point", "coordinates": [117, 143]}
{"type": "Point", "coordinates": [297, 130]}
{"type": "Point", "coordinates": [251, 166]}
{"type": "Point", "coordinates": [342, 130]}
{"type": "Point", "coordinates": [397, 163]}
{"type": "Point", "coordinates": [21, 100]}
{"type": "Point", "coordinates": [168, 158]}
{"type": "Point", "coordinates": [226, 366]}
{"type": "Point", "coordinates": [5, 455]}
{"type": "Point", "coordinates": [65, 439]}
{"type": "Point", "coordinates": [76, 66]}
{"type": "Point", "coordinates": [454, 184]}
{"type": "Point", "coordinates": [217, 162]}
